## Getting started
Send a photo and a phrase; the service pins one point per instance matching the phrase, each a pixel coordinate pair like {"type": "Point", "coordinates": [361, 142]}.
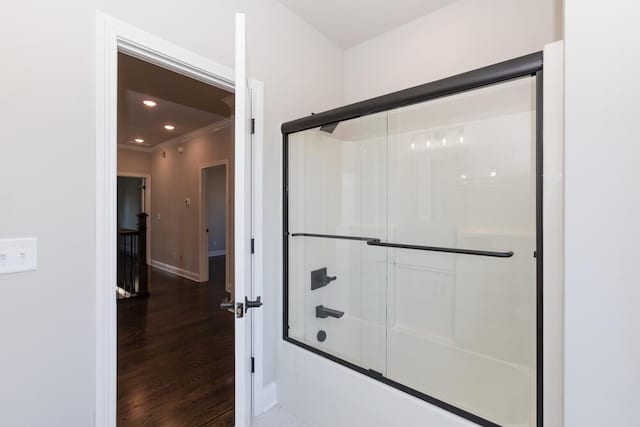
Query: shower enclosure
{"type": "Point", "coordinates": [412, 240]}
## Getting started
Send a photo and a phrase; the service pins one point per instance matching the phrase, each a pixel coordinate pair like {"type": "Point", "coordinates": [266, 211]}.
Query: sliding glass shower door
{"type": "Point", "coordinates": [338, 199]}
{"type": "Point", "coordinates": [462, 326]}
{"type": "Point", "coordinates": [411, 244]}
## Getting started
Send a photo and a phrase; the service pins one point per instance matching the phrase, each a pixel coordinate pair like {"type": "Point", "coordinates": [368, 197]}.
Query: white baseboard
{"type": "Point", "coordinates": [268, 398]}
{"type": "Point", "coordinates": [219, 252]}
{"type": "Point", "coordinates": [175, 270]}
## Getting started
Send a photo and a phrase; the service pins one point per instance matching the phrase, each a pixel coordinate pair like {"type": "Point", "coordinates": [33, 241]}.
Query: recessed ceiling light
{"type": "Point", "coordinates": [169, 127]}
{"type": "Point", "coordinates": [149, 103]}
{"type": "Point", "coordinates": [139, 140]}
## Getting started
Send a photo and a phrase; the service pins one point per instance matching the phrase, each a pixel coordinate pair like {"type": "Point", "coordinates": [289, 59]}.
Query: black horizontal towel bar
{"type": "Point", "coordinates": [508, 254]}
{"type": "Point", "coordinates": [334, 236]}
{"type": "Point", "coordinates": [372, 241]}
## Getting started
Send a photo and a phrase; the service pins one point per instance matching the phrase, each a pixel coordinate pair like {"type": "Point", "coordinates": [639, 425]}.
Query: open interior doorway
{"type": "Point", "coordinates": [175, 358]}
{"type": "Point", "coordinates": [132, 210]}
{"type": "Point", "coordinates": [216, 221]}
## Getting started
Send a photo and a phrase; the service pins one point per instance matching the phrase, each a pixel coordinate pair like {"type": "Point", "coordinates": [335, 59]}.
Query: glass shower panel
{"type": "Point", "coordinates": [461, 175]}
{"type": "Point", "coordinates": [337, 197]}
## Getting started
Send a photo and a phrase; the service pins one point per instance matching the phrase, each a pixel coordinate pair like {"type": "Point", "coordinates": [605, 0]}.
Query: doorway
{"type": "Point", "coordinates": [115, 37]}
{"type": "Point", "coordinates": [216, 222]}
{"type": "Point", "coordinates": [175, 348]}
{"type": "Point", "coordinates": [134, 237]}
{"type": "Point", "coordinates": [131, 200]}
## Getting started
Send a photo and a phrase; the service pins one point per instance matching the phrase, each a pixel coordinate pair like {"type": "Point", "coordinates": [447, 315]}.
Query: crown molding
{"type": "Point", "coordinates": [131, 147]}
{"type": "Point", "coordinates": [214, 127]}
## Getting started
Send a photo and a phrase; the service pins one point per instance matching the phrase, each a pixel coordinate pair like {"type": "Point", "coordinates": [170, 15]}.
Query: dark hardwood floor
{"type": "Point", "coordinates": [175, 354]}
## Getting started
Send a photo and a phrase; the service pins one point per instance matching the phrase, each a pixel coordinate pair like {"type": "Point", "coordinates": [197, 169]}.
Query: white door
{"type": "Point", "coordinates": [243, 213]}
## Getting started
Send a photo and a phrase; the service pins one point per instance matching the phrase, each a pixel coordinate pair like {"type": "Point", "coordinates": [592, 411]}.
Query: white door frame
{"type": "Point", "coordinates": [113, 36]}
{"type": "Point", "coordinates": [147, 204]}
{"type": "Point", "coordinates": [202, 222]}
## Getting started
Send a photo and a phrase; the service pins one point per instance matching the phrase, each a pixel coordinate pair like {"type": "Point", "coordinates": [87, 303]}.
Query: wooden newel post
{"type": "Point", "coordinates": [143, 268]}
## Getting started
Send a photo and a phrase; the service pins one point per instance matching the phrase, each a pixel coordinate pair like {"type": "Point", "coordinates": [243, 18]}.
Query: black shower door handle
{"type": "Point", "coordinates": [372, 241]}
{"type": "Point", "coordinates": [376, 242]}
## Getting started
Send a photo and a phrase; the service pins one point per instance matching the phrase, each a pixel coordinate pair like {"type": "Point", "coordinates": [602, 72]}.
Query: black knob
{"type": "Point", "coordinates": [322, 335]}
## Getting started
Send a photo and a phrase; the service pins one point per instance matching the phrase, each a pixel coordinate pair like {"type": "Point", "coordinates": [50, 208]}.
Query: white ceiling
{"type": "Point", "coordinates": [138, 121]}
{"type": "Point", "coordinates": [183, 102]}
{"type": "Point", "coordinates": [349, 22]}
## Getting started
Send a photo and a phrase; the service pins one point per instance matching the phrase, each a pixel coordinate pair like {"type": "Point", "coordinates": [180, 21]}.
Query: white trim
{"type": "Point", "coordinates": [262, 395]}
{"type": "Point", "coordinates": [112, 36]}
{"type": "Point", "coordinates": [181, 139]}
{"type": "Point", "coordinates": [147, 204]}
{"type": "Point", "coordinates": [242, 212]}
{"type": "Point", "coordinates": [175, 270]}
{"type": "Point", "coordinates": [106, 172]}
{"type": "Point", "coordinates": [203, 244]}
{"type": "Point", "coordinates": [155, 50]}
{"type": "Point", "coordinates": [553, 234]}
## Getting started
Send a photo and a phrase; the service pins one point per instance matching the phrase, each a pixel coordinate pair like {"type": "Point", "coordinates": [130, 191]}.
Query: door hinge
{"type": "Point", "coordinates": [253, 364]}
{"type": "Point", "coordinates": [253, 126]}
{"type": "Point", "coordinates": [253, 245]}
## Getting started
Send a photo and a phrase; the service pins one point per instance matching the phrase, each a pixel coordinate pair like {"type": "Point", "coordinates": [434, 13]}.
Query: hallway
{"type": "Point", "coordinates": [175, 354]}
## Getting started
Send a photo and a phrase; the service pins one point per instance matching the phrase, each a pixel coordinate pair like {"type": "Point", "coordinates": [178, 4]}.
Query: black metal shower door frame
{"type": "Point", "coordinates": [529, 65]}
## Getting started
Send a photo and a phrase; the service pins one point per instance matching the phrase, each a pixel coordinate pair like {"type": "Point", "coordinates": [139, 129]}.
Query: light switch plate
{"type": "Point", "coordinates": [18, 255]}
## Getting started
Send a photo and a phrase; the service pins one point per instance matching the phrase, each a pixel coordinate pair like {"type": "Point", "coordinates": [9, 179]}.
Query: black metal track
{"type": "Point", "coordinates": [539, 247]}
{"type": "Point", "coordinates": [372, 241]}
{"type": "Point", "coordinates": [519, 67]}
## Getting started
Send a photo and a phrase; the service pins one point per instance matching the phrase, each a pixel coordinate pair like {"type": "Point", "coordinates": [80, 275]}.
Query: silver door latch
{"type": "Point", "coordinates": [241, 308]}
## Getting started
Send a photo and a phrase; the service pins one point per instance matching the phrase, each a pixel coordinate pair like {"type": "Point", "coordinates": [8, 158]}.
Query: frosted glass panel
{"type": "Point", "coordinates": [411, 247]}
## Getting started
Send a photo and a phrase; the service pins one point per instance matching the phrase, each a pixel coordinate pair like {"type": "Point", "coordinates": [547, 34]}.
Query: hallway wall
{"type": "Point", "coordinates": [137, 162]}
{"type": "Point", "coordinates": [176, 177]}
{"type": "Point", "coordinates": [49, 68]}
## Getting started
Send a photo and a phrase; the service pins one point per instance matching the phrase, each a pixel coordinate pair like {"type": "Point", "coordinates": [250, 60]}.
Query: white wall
{"type": "Point", "coordinates": [48, 97]}
{"type": "Point", "coordinates": [466, 35]}
{"type": "Point", "coordinates": [602, 369]}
